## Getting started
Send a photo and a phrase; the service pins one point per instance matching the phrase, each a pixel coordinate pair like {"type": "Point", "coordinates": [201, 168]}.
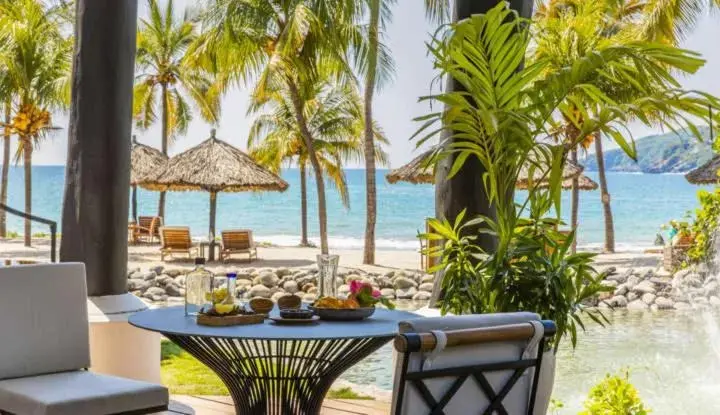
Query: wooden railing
{"type": "Point", "coordinates": [48, 222]}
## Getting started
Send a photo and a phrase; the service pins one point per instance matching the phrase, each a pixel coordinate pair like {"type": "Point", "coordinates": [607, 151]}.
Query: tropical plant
{"type": "Point", "coordinates": [167, 82]}
{"type": "Point", "coordinates": [286, 45]}
{"type": "Point", "coordinates": [334, 117]}
{"type": "Point", "coordinates": [704, 227]}
{"type": "Point", "coordinates": [35, 62]}
{"type": "Point", "coordinates": [614, 395]}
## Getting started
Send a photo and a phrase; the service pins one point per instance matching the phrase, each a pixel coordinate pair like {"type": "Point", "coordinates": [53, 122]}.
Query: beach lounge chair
{"type": "Point", "coordinates": [148, 228]}
{"type": "Point", "coordinates": [45, 349]}
{"type": "Point", "coordinates": [238, 241]}
{"type": "Point", "coordinates": [473, 364]}
{"type": "Point", "coordinates": [176, 240]}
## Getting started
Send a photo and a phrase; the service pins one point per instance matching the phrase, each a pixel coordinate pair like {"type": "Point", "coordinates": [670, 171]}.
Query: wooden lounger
{"type": "Point", "coordinates": [238, 241]}
{"type": "Point", "coordinates": [176, 240]}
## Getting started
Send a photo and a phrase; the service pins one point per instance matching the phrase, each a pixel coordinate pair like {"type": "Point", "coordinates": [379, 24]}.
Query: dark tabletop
{"type": "Point", "coordinates": [172, 320]}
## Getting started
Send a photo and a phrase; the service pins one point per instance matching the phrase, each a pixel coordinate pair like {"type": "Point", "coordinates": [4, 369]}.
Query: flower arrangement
{"type": "Point", "coordinates": [367, 296]}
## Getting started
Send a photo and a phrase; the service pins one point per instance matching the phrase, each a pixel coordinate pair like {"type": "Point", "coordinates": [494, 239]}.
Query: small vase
{"type": "Point", "coordinates": [327, 271]}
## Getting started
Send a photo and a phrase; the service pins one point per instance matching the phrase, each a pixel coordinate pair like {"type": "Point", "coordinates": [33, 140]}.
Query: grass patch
{"type": "Point", "coordinates": [185, 375]}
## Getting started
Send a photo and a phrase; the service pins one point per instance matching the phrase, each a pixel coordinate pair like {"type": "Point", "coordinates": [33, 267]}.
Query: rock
{"type": "Point", "coordinates": [700, 301]}
{"type": "Point", "coordinates": [681, 306]}
{"type": "Point", "coordinates": [422, 296]}
{"type": "Point", "coordinates": [664, 303]}
{"type": "Point", "coordinates": [605, 295]}
{"type": "Point", "coordinates": [610, 283]}
{"type": "Point", "coordinates": [404, 283]}
{"type": "Point", "coordinates": [621, 289]}
{"type": "Point", "coordinates": [644, 287]}
{"type": "Point", "coordinates": [711, 288]}
{"type": "Point", "coordinates": [291, 287]}
{"type": "Point", "coordinates": [426, 286]}
{"type": "Point", "coordinates": [147, 275]}
{"type": "Point", "coordinates": [174, 272]}
{"type": "Point", "coordinates": [384, 282]}
{"type": "Point", "coordinates": [427, 278]}
{"type": "Point", "coordinates": [244, 275]}
{"type": "Point", "coordinates": [154, 291]}
{"type": "Point", "coordinates": [309, 298]}
{"type": "Point", "coordinates": [632, 281]}
{"type": "Point", "coordinates": [173, 290]}
{"type": "Point", "coordinates": [631, 296]}
{"type": "Point", "coordinates": [692, 280]}
{"type": "Point", "coordinates": [281, 272]}
{"type": "Point", "coordinates": [648, 298]}
{"type": "Point", "coordinates": [259, 290]}
{"type": "Point", "coordinates": [618, 301]}
{"type": "Point", "coordinates": [407, 293]}
{"type": "Point", "coordinates": [180, 280]}
{"type": "Point", "coordinates": [387, 292]}
{"type": "Point", "coordinates": [654, 307]}
{"type": "Point", "coordinates": [389, 274]}
{"type": "Point", "coordinates": [353, 277]}
{"type": "Point", "coordinates": [164, 279]}
{"type": "Point", "coordinates": [158, 269]}
{"type": "Point", "coordinates": [138, 285]}
{"type": "Point", "coordinates": [159, 298]}
{"type": "Point", "coordinates": [268, 279]}
{"type": "Point", "coordinates": [604, 305]}
{"type": "Point", "coordinates": [637, 305]}
{"type": "Point", "coordinates": [312, 290]}
{"type": "Point", "coordinates": [663, 273]}
{"type": "Point", "coordinates": [714, 301]}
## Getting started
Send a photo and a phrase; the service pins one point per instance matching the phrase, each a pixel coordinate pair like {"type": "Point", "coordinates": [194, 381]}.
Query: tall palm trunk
{"type": "Point", "coordinates": [370, 185]}
{"type": "Point", "coordinates": [298, 106]}
{"type": "Point", "coordinates": [575, 201]}
{"type": "Point", "coordinates": [27, 164]}
{"type": "Point", "coordinates": [164, 144]}
{"type": "Point", "coordinates": [303, 205]}
{"type": "Point", "coordinates": [605, 196]}
{"type": "Point", "coordinates": [5, 169]}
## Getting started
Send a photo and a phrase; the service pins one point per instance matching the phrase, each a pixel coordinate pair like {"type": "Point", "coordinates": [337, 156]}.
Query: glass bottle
{"type": "Point", "coordinates": [231, 284]}
{"type": "Point", "coordinates": [198, 289]}
{"type": "Point", "coordinates": [327, 271]}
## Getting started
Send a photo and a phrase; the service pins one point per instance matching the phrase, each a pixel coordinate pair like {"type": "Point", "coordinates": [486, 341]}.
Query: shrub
{"type": "Point", "coordinates": [706, 223]}
{"type": "Point", "coordinates": [614, 395]}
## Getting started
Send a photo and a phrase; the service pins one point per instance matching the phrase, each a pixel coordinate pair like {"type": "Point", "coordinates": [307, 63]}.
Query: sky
{"type": "Point", "coordinates": [397, 103]}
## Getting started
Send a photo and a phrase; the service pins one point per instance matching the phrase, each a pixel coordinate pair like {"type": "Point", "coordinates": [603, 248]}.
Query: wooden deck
{"type": "Point", "coordinates": [222, 405]}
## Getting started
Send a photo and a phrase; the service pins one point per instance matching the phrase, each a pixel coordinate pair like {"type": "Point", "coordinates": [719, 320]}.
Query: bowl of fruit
{"type": "Point", "coordinates": [359, 305]}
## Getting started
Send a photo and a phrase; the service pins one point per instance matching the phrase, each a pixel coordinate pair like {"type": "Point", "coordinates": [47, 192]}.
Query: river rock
{"type": "Point", "coordinates": [644, 287]}
{"type": "Point", "coordinates": [422, 296]}
{"type": "Point", "coordinates": [154, 291]}
{"type": "Point", "coordinates": [681, 306]}
{"type": "Point", "coordinates": [632, 281]}
{"type": "Point", "coordinates": [714, 301]}
{"type": "Point", "coordinates": [711, 288]}
{"type": "Point", "coordinates": [427, 278]}
{"type": "Point", "coordinates": [281, 272]}
{"type": "Point", "coordinates": [147, 275]}
{"type": "Point", "coordinates": [404, 294]}
{"type": "Point", "coordinates": [648, 298]}
{"type": "Point", "coordinates": [180, 280]}
{"type": "Point", "coordinates": [353, 277]}
{"type": "Point", "coordinates": [164, 279]}
{"type": "Point", "coordinates": [173, 290]}
{"type": "Point", "coordinates": [174, 272]}
{"type": "Point", "coordinates": [637, 305]}
{"type": "Point", "coordinates": [618, 301]}
{"type": "Point", "coordinates": [384, 282]}
{"type": "Point", "coordinates": [632, 296]}
{"type": "Point", "coordinates": [387, 292]}
{"type": "Point", "coordinates": [610, 283]}
{"type": "Point", "coordinates": [260, 290]}
{"type": "Point", "coordinates": [426, 286]}
{"type": "Point", "coordinates": [654, 307]}
{"type": "Point", "coordinates": [404, 283]}
{"type": "Point", "coordinates": [291, 287]}
{"type": "Point", "coordinates": [664, 303]}
{"type": "Point", "coordinates": [620, 277]}
{"type": "Point", "coordinates": [268, 279]}
{"type": "Point", "coordinates": [621, 289]}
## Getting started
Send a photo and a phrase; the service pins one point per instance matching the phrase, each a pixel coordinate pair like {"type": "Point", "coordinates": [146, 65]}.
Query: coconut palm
{"type": "Point", "coordinates": [36, 59]}
{"type": "Point", "coordinates": [167, 83]}
{"type": "Point", "coordinates": [335, 120]}
{"type": "Point", "coordinates": [289, 45]}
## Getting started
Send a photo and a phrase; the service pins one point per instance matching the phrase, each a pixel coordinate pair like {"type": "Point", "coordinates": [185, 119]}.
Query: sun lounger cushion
{"type": "Point", "coordinates": [425, 325]}
{"type": "Point", "coordinates": [43, 320]}
{"type": "Point", "coordinates": [79, 392]}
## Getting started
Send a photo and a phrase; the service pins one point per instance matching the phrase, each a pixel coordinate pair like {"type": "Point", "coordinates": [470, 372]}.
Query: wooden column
{"type": "Point", "coordinates": [465, 190]}
{"type": "Point", "coordinates": [95, 208]}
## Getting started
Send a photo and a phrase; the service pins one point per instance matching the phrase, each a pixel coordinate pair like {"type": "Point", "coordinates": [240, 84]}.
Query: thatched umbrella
{"type": "Point", "coordinates": [144, 161]}
{"type": "Point", "coordinates": [705, 174]}
{"type": "Point", "coordinates": [584, 183]}
{"type": "Point", "coordinates": [213, 166]}
{"type": "Point", "coordinates": [418, 171]}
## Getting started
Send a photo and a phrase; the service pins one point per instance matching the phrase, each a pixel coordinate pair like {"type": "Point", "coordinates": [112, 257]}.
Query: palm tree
{"type": "Point", "coordinates": [37, 59]}
{"type": "Point", "coordinates": [167, 79]}
{"type": "Point", "coordinates": [282, 44]}
{"type": "Point", "coordinates": [334, 117]}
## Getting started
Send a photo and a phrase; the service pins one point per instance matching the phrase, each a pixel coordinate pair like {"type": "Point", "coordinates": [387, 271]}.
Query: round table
{"type": "Point", "coordinates": [276, 369]}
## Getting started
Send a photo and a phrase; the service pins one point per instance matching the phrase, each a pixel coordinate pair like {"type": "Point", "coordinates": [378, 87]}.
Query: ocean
{"type": "Point", "coordinates": [640, 203]}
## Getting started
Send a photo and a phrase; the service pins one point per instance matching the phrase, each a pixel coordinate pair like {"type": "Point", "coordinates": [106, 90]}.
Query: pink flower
{"type": "Point", "coordinates": [355, 286]}
{"type": "Point", "coordinates": [376, 294]}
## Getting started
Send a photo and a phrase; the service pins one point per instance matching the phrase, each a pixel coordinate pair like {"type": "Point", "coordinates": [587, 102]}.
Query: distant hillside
{"type": "Point", "coordinates": [665, 153]}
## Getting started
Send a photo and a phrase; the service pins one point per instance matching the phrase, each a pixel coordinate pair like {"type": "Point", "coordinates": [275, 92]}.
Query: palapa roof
{"type": "Point", "coordinates": [420, 171]}
{"type": "Point", "coordinates": [584, 183]}
{"type": "Point", "coordinates": [214, 166]}
{"type": "Point", "coordinates": [705, 174]}
{"type": "Point", "coordinates": [144, 161]}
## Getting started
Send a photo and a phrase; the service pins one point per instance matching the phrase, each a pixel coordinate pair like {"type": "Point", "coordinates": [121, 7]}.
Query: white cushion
{"type": "Point", "coordinates": [469, 398]}
{"type": "Point", "coordinates": [78, 393]}
{"type": "Point", "coordinates": [43, 319]}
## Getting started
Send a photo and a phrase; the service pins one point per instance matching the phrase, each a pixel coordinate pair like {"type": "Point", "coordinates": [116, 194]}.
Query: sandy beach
{"type": "Point", "coordinates": [145, 256]}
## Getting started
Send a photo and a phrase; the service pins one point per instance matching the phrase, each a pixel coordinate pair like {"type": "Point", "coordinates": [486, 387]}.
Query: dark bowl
{"type": "Point", "coordinates": [296, 314]}
{"type": "Point", "coordinates": [343, 314]}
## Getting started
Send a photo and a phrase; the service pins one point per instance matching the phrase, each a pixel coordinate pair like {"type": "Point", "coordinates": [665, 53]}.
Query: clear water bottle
{"type": "Point", "coordinates": [231, 284]}
{"type": "Point", "coordinates": [198, 289]}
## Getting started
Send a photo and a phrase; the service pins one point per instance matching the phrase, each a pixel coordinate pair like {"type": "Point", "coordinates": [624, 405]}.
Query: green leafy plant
{"type": "Point", "coordinates": [614, 395]}
{"type": "Point", "coordinates": [707, 221]}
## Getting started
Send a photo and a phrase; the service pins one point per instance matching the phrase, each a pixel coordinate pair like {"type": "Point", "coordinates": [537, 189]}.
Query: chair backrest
{"type": "Point", "coordinates": [155, 225]}
{"type": "Point", "coordinates": [146, 222]}
{"type": "Point", "coordinates": [237, 239]}
{"type": "Point", "coordinates": [470, 364]}
{"type": "Point", "coordinates": [175, 237]}
{"type": "Point", "coordinates": [43, 319]}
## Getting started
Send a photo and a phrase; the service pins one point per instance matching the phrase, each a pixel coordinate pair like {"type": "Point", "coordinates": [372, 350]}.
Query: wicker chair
{"type": "Point", "coordinates": [176, 240]}
{"type": "Point", "coordinates": [148, 227]}
{"type": "Point", "coordinates": [238, 241]}
{"type": "Point", "coordinates": [459, 365]}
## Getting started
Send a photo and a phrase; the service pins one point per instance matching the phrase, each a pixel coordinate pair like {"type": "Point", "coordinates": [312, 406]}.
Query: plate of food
{"type": "Point", "coordinates": [359, 305]}
{"type": "Point", "coordinates": [295, 317]}
{"type": "Point", "coordinates": [220, 315]}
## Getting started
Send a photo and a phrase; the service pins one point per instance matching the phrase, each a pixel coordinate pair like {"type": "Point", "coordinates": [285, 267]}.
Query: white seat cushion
{"type": "Point", "coordinates": [78, 393]}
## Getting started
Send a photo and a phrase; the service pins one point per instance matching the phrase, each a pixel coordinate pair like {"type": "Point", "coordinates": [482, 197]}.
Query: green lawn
{"type": "Point", "coordinates": [184, 375]}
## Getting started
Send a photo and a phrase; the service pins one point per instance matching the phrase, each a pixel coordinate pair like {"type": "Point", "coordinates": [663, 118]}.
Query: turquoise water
{"type": "Point", "coordinates": [641, 203]}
